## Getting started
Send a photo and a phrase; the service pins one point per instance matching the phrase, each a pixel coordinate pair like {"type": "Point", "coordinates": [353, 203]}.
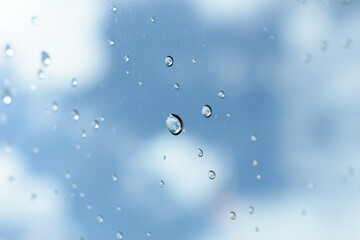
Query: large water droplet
{"type": "Point", "coordinates": [212, 175]}
{"type": "Point", "coordinates": [9, 52]}
{"type": "Point", "coordinates": [174, 124]}
{"type": "Point", "coordinates": [7, 98]}
{"type": "Point", "coordinates": [232, 215]}
{"type": "Point", "coordinates": [161, 184]}
{"type": "Point", "coordinates": [74, 82]}
{"type": "Point", "coordinates": [119, 235]}
{"type": "Point", "coordinates": [100, 218]}
{"type": "Point", "coordinates": [45, 59]}
{"type": "Point", "coordinates": [251, 210]}
{"type": "Point", "coordinates": [206, 111]}
{"type": "Point", "coordinates": [169, 61]}
{"type": "Point", "coordinates": [95, 124]}
{"type": "Point", "coordinates": [200, 152]}
{"type": "Point", "coordinates": [221, 94]}
{"type": "Point", "coordinates": [75, 115]}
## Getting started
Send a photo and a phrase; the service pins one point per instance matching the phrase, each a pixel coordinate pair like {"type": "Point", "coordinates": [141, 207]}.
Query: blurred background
{"type": "Point", "coordinates": [87, 88]}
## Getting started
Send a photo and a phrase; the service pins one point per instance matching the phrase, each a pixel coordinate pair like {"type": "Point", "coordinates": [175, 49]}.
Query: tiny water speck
{"type": "Point", "coordinates": [152, 20]}
{"type": "Point", "coordinates": [232, 215]}
{"type": "Point", "coordinates": [88, 206]}
{"type": "Point", "coordinates": [41, 74]}
{"type": "Point", "coordinates": [35, 150]}
{"type": "Point", "coordinates": [74, 82]}
{"type": "Point", "coordinates": [45, 59]}
{"type": "Point", "coordinates": [174, 124]}
{"type": "Point", "coordinates": [347, 43]}
{"type": "Point", "coordinates": [118, 208]}
{"type": "Point", "coordinates": [114, 177]}
{"type": "Point", "coordinates": [75, 115]}
{"type": "Point", "coordinates": [74, 186]}
{"type": "Point", "coordinates": [83, 133]}
{"type": "Point", "coordinates": [307, 57]}
{"type": "Point", "coordinates": [200, 152]}
{"type": "Point", "coordinates": [206, 111]}
{"type": "Point", "coordinates": [82, 194]}
{"type": "Point", "coordinates": [221, 94]}
{"type": "Point", "coordinates": [255, 163]}
{"type": "Point", "coordinates": [169, 61]}
{"type": "Point", "coordinates": [35, 20]}
{"type": "Point", "coordinates": [176, 86]}
{"type": "Point", "coordinates": [212, 175]}
{"type": "Point", "coordinates": [113, 8]}
{"type": "Point", "coordinates": [100, 218]}
{"type": "Point", "coordinates": [251, 210]}
{"type": "Point", "coordinates": [258, 176]}
{"type": "Point", "coordinates": [148, 234]}
{"type": "Point", "coordinates": [162, 184]}
{"type": "Point", "coordinates": [111, 42]}
{"type": "Point", "coordinates": [164, 157]}
{"type": "Point", "coordinates": [55, 106]}
{"type": "Point", "coordinates": [67, 175]}
{"type": "Point", "coordinates": [194, 60]}
{"type": "Point", "coordinates": [126, 58]}
{"type": "Point", "coordinates": [253, 138]}
{"type": "Point", "coordinates": [9, 52]}
{"type": "Point", "coordinates": [119, 235]}
{"type": "Point", "coordinates": [95, 124]}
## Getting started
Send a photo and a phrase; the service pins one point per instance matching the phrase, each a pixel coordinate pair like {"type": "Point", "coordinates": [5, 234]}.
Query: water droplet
{"type": "Point", "coordinates": [33, 197]}
{"type": "Point", "coordinates": [253, 138]}
{"type": "Point", "coordinates": [111, 42]}
{"type": "Point", "coordinates": [114, 177]}
{"type": "Point", "coordinates": [100, 218]}
{"type": "Point", "coordinates": [45, 59]}
{"type": "Point", "coordinates": [74, 82]}
{"type": "Point", "coordinates": [350, 170]}
{"type": "Point", "coordinates": [232, 215]}
{"type": "Point", "coordinates": [212, 175]}
{"type": "Point", "coordinates": [83, 133]}
{"type": "Point", "coordinates": [118, 208]}
{"type": "Point", "coordinates": [307, 57]}
{"type": "Point", "coordinates": [347, 43]}
{"type": "Point", "coordinates": [95, 124]}
{"type": "Point", "coordinates": [126, 58]}
{"type": "Point", "coordinates": [152, 20]}
{"type": "Point", "coordinates": [35, 150]}
{"type": "Point", "coordinates": [7, 99]}
{"type": "Point", "coordinates": [194, 60]}
{"type": "Point", "coordinates": [162, 184]}
{"type": "Point", "coordinates": [272, 37]}
{"type": "Point", "coordinates": [176, 86]}
{"type": "Point", "coordinates": [113, 8]}
{"type": "Point", "coordinates": [119, 235]}
{"type": "Point", "coordinates": [324, 44]}
{"type": "Point", "coordinates": [75, 115]}
{"type": "Point", "coordinates": [41, 74]}
{"type": "Point", "coordinates": [200, 152]}
{"type": "Point", "coordinates": [35, 20]}
{"type": "Point", "coordinates": [148, 234]}
{"type": "Point", "coordinates": [169, 61]}
{"type": "Point", "coordinates": [82, 194]}
{"type": "Point", "coordinates": [67, 175]}
{"type": "Point", "coordinates": [311, 185]}
{"type": "Point", "coordinates": [345, 2]}
{"type": "Point", "coordinates": [206, 111]}
{"type": "Point", "coordinates": [9, 51]}
{"type": "Point", "coordinates": [251, 210]}
{"type": "Point", "coordinates": [228, 115]}
{"type": "Point", "coordinates": [255, 163]}
{"type": "Point", "coordinates": [221, 94]}
{"type": "Point", "coordinates": [258, 176]}
{"type": "Point", "coordinates": [74, 186]}
{"type": "Point", "coordinates": [257, 229]}
{"type": "Point", "coordinates": [88, 206]}
{"type": "Point", "coordinates": [164, 157]}
{"type": "Point", "coordinates": [265, 29]}
{"type": "Point", "coordinates": [174, 124]}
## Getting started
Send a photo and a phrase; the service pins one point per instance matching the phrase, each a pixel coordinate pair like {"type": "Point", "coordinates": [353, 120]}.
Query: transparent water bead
{"type": "Point", "coordinates": [95, 124]}
{"type": "Point", "coordinates": [35, 20]}
{"type": "Point", "coordinates": [176, 86]}
{"type": "Point", "coordinates": [200, 152]}
{"type": "Point", "coordinates": [114, 177]}
{"type": "Point", "coordinates": [206, 111]}
{"type": "Point", "coordinates": [174, 124]}
{"type": "Point", "coordinates": [9, 52]}
{"type": "Point", "coordinates": [194, 60]}
{"type": "Point", "coordinates": [255, 163]}
{"type": "Point", "coordinates": [119, 235]}
{"type": "Point", "coordinates": [251, 210]}
{"type": "Point", "coordinates": [88, 206]}
{"type": "Point", "coordinates": [169, 61]}
{"type": "Point", "coordinates": [162, 184]}
{"type": "Point", "coordinates": [113, 8]}
{"type": "Point", "coordinates": [74, 82]}
{"type": "Point", "coordinates": [75, 115]}
{"type": "Point", "coordinates": [67, 175]}
{"type": "Point", "coordinates": [36, 150]}
{"type": "Point", "coordinates": [111, 42]}
{"type": "Point", "coordinates": [45, 59]}
{"type": "Point", "coordinates": [221, 94]}
{"type": "Point", "coordinates": [100, 218]}
{"type": "Point", "coordinates": [253, 138]}
{"type": "Point", "coordinates": [7, 99]}
{"type": "Point", "coordinates": [152, 20]}
{"type": "Point", "coordinates": [55, 106]}
{"type": "Point", "coordinates": [83, 133]}
{"type": "Point", "coordinates": [258, 176]}
{"type": "Point", "coordinates": [126, 58]}
{"type": "Point", "coordinates": [41, 74]}
{"type": "Point", "coordinates": [212, 175]}
{"type": "Point", "coordinates": [232, 215]}
{"type": "Point", "coordinates": [118, 208]}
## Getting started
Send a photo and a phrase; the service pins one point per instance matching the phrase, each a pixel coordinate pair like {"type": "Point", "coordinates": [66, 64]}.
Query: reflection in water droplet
{"type": "Point", "coordinates": [232, 215]}
{"type": "Point", "coordinates": [212, 175]}
{"type": "Point", "coordinates": [74, 82]}
{"type": "Point", "coordinates": [148, 234]}
{"type": "Point", "coordinates": [113, 8]}
{"type": "Point", "coordinates": [111, 42]}
{"type": "Point", "coordinates": [194, 60]}
{"type": "Point", "coordinates": [162, 184]}
{"type": "Point", "coordinates": [347, 43]}
{"type": "Point", "coordinates": [221, 94]}
{"type": "Point", "coordinates": [324, 44]}
{"type": "Point", "coordinates": [100, 218]}
{"type": "Point", "coordinates": [174, 124]}
{"type": "Point", "coordinates": [75, 115]}
{"type": "Point", "coordinates": [126, 58]}
{"type": "Point", "coordinates": [9, 52]}
{"type": "Point", "coordinates": [307, 57]}
{"type": "Point", "coordinates": [114, 177]}
{"type": "Point", "coordinates": [200, 152]}
{"type": "Point", "coordinates": [54, 106]}
{"type": "Point", "coordinates": [7, 99]}
{"type": "Point", "coordinates": [251, 210]}
{"type": "Point", "coordinates": [255, 163]}
{"type": "Point", "coordinates": [119, 235]}
{"type": "Point", "coordinates": [82, 194]}
{"type": "Point", "coordinates": [169, 61]}
{"type": "Point", "coordinates": [253, 138]}
{"type": "Point", "coordinates": [45, 59]}
{"type": "Point", "coordinates": [83, 133]}
{"type": "Point", "coordinates": [258, 176]}
{"type": "Point", "coordinates": [41, 74]}
{"type": "Point", "coordinates": [206, 111]}
{"type": "Point", "coordinates": [176, 86]}
{"type": "Point", "coordinates": [118, 208]}
{"type": "Point", "coordinates": [95, 124]}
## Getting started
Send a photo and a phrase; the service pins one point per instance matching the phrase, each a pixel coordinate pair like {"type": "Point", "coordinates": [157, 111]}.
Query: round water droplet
{"type": "Point", "coordinates": [100, 218]}
{"type": "Point", "coordinates": [67, 175]}
{"type": "Point", "coordinates": [206, 111]}
{"type": "Point", "coordinates": [118, 208]}
{"type": "Point", "coordinates": [119, 235]}
{"type": "Point", "coordinates": [35, 20]}
{"type": "Point", "coordinates": [194, 60]}
{"type": "Point", "coordinates": [221, 94]}
{"type": "Point", "coordinates": [174, 124]}
{"type": "Point", "coordinates": [255, 163]}
{"type": "Point", "coordinates": [111, 42]}
{"type": "Point", "coordinates": [55, 106]}
{"type": "Point", "coordinates": [258, 176]}
{"type": "Point", "coordinates": [35, 150]}
{"type": "Point", "coordinates": [162, 184]}
{"type": "Point", "coordinates": [95, 124]}
{"type": "Point", "coordinates": [83, 133]}
{"type": "Point", "coordinates": [7, 99]}
{"type": "Point", "coordinates": [41, 74]}
{"type": "Point", "coordinates": [347, 43]}
{"type": "Point", "coordinates": [265, 29]}
{"type": "Point", "coordinates": [232, 215]}
{"type": "Point", "coordinates": [324, 44]}
{"type": "Point", "coordinates": [148, 234]}
{"type": "Point", "coordinates": [212, 175]}
{"type": "Point", "coordinates": [114, 177]}
{"type": "Point", "coordinates": [82, 194]}
{"type": "Point", "coordinates": [74, 186]}
{"type": "Point", "coordinates": [75, 115]}
{"type": "Point", "coordinates": [126, 58]}
{"type": "Point", "coordinates": [228, 115]}
{"type": "Point", "coordinates": [169, 61]}
{"type": "Point", "coordinates": [200, 152]}
{"type": "Point", "coordinates": [9, 52]}
{"type": "Point", "coordinates": [253, 138]}
{"type": "Point", "coordinates": [45, 59]}
{"type": "Point", "coordinates": [74, 82]}
{"type": "Point", "coordinates": [251, 210]}
{"type": "Point", "coordinates": [307, 57]}
{"type": "Point", "coordinates": [113, 8]}
{"type": "Point", "coordinates": [152, 20]}
{"type": "Point", "coordinates": [176, 86]}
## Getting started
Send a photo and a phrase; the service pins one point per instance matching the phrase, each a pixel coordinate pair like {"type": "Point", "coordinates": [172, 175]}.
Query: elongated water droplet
{"type": "Point", "coordinates": [9, 52]}
{"type": "Point", "coordinates": [200, 152]}
{"type": "Point", "coordinates": [253, 138]}
{"type": "Point", "coordinates": [126, 58]}
{"type": "Point", "coordinates": [212, 175]}
{"type": "Point", "coordinates": [232, 215]}
{"type": "Point", "coordinates": [114, 177]}
{"type": "Point", "coordinates": [206, 111]}
{"type": "Point", "coordinates": [221, 94]}
{"type": "Point", "coordinates": [255, 163]}
{"type": "Point", "coordinates": [75, 115]}
{"type": "Point", "coordinates": [119, 235]}
{"type": "Point", "coordinates": [45, 59]}
{"type": "Point", "coordinates": [148, 234]}
{"type": "Point", "coordinates": [74, 82]}
{"type": "Point", "coordinates": [169, 61]}
{"type": "Point", "coordinates": [41, 74]}
{"type": "Point", "coordinates": [152, 20]}
{"type": "Point", "coordinates": [161, 184]}
{"type": "Point", "coordinates": [251, 210]}
{"type": "Point", "coordinates": [176, 86]}
{"type": "Point", "coordinates": [164, 157]}
{"type": "Point", "coordinates": [100, 218]}
{"type": "Point", "coordinates": [83, 133]}
{"type": "Point", "coordinates": [174, 124]}
{"type": "Point", "coordinates": [95, 124]}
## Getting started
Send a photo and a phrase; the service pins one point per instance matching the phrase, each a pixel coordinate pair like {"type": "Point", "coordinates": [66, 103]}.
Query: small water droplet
{"type": "Point", "coordinates": [45, 59]}
{"type": "Point", "coordinates": [251, 210]}
{"type": "Point", "coordinates": [67, 175]}
{"type": "Point", "coordinates": [176, 86]}
{"type": "Point", "coordinates": [152, 20]}
{"type": "Point", "coordinates": [200, 152]}
{"type": "Point", "coordinates": [118, 208]}
{"type": "Point", "coordinates": [206, 111]}
{"type": "Point", "coordinates": [162, 184]}
{"type": "Point", "coordinates": [74, 186]}
{"type": "Point", "coordinates": [82, 194]}
{"type": "Point", "coordinates": [126, 58]}
{"type": "Point", "coordinates": [255, 163]}
{"type": "Point", "coordinates": [221, 94]}
{"type": "Point", "coordinates": [311, 185]}
{"type": "Point", "coordinates": [119, 235]}
{"type": "Point", "coordinates": [9, 52]}
{"type": "Point", "coordinates": [74, 82]}
{"type": "Point", "coordinates": [113, 8]}
{"type": "Point", "coordinates": [35, 20]}
{"type": "Point", "coordinates": [148, 234]}
{"type": "Point", "coordinates": [95, 124]}
{"type": "Point", "coordinates": [347, 43]}
{"type": "Point", "coordinates": [169, 61]}
{"type": "Point", "coordinates": [114, 177]}
{"type": "Point", "coordinates": [7, 99]}
{"type": "Point", "coordinates": [272, 37]}
{"type": "Point", "coordinates": [258, 176]}
{"type": "Point", "coordinates": [174, 124]}
{"type": "Point", "coordinates": [232, 215]}
{"type": "Point", "coordinates": [164, 157]}
{"type": "Point", "coordinates": [41, 74]}
{"type": "Point", "coordinates": [307, 57]}
{"type": "Point", "coordinates": [33, 197]}
{"type": "Point", "coordinates": [324, 44]}
{"type": "Point", "coordinates": [194, 60]}
{"type": "Point", "coordinates": [55, 106]}
{"type": "Point", "coordinates": [212, 175]}
{"type": "Point", "coordinates": [265, 29]}
{"type": "Point", "coordinates": [228, 115]}
{"type": "Point", "coordinates": [257, 229]}
{"type": "Point", "coordinates": [75, 115]}
{"type": "Point", "coordinates": [100, 218]}
{"type": "Point", "coordinates": [88, 206]}
{"type": "Point", "coordinates": [83, 133]}
{"type": "Point", "coordinates": [35, 150]}
{"type": "Point", "coordinates": [111, 42]}
{"type": "Point", "coordinates": [11, 179]}
{"type": "Point", "coordinates": [253, 138]}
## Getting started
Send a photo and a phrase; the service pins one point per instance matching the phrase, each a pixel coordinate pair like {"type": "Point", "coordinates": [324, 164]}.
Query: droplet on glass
{"type": "Point", "coordinates": [194, 60]}
{"type": "Point", "coordinates": [113, 8]}
{"type": "Point", "coordinates": [232, 215]}
{"type": "Point", "coordinates": [148, 234]}
{"type": "Point", "coordinates": [345, 2]}
{"type": "Point", "coordinates": [55, 106]}
{"type": "Point", "coordinates": [100, 218]}
{"type": "Point", "coordinates": [126, 58]}
{"type": "Point", "coordinates": [257, 229]}
{"type": "Point", "coordinates": [119, 235]}
{"type": "Point", "coordinates": [251, 210]}
{"type": "Point", "coordinates": [118, 208]}
{"type": "Point", "coordinates": [212, 175]}
{"type": "Point", "coordinates": [162, 184]}
{"type": "Point", "coordinates": [88, 206]}
{"type": "Point", "coordinates": [45, 59]}
{"type": "Point", "coordinates": [253, 138]}
{"type": "Point", "coordinates": [41, 74]}
{"type": "Point", "coordinates": [255, 163]}
{"type": "Point", "coordinates": [176, 86]}
{"type": "Point", "coordinates": [95, 124]}
{"type": "Point", "coordinates": [9, 52]}
{"type": "Point", "coordinates": [74, 82]}
{"type": "Point", "coordinates": [35, 150]}
{"type": "Point", "coordinates": [324, 44]}
{"type": "Point", "coordinates": [74, 186]}
{"type": "Point", "coordinates": [83, 133]}
{"type": "Point", "coordinates": [258, 176]}
{"type": "Point", "coordinates": [152, 20]}
{"type": "Point", "coordinates": [75, 115]}
{"type": "Point", "coordinates": [200, 152]}
{"type": "Point", "coordinates": [206, 111]}
{"type": "Point", "coordinates": [82, 194]}
{"type": "Point", "coordinates": [174, 124]}
{"type": "Point", "coordinates": [228, 115]}
{"type": "Point", "coordinates": [7, 99]}
{"type": "Point", "coordinates": [307, 57]}
{"type": "Point", "coordinates": [67, 175]}
{"type": "Point", "coordinates": [164, 157]}
{"type": "Point", "coordinates": [347, 43]}
{"type": "Point", "coordinates": [111, 42]}
{"type": "Point", "coordinates": [311, 185]}
{"type": "Point", "coordinates": [221, 94]}
{"type": "Point", "coordinates": [265, 29]}
{"type": "Point", "coordinates": [114, 177]}
{"type": "Point", "coordinates": [169, 61]}
{"type": "Point", "coordinates": [35, 20]}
